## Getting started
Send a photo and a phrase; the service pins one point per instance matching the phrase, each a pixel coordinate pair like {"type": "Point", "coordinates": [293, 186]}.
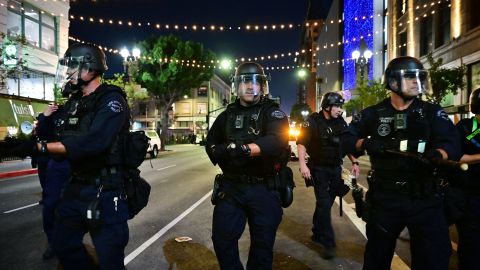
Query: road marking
{"type": "Point", "coordinates": [20, 208]}
{"type": "Point", "coordinates": [397, 262]}
{"type": "Point", "coordinates": [166, 167]}
{"type": "Point", "coordinates": [165, 229]}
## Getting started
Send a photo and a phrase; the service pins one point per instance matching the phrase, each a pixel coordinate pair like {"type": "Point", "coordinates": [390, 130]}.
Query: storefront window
{"type": "Point", "coordinates": [32, 32]}
{"type": "Point", "coordinates": [14, 24]}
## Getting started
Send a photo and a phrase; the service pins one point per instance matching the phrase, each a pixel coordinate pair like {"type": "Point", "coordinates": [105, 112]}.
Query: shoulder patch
{"type": "Point", "coordinates": [305, 124]}
{"type": "Point", "coordinates": [115, 106]}
{"type": "Point", "coordinates": [278, 114]}
{"type": "Point", "coordinates": [442, 114]}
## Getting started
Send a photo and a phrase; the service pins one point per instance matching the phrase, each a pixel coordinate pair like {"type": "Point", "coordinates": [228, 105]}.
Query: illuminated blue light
{"type": "Point", "coordinates": [355, 29]}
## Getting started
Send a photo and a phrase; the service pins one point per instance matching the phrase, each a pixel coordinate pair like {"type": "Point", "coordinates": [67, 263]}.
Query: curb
{"type": "Point", "coordinates": [18, 173]}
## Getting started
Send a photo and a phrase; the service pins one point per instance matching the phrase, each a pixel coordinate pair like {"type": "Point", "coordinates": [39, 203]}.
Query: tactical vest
{"type": "Point", "coordinates": [324, 147]}
{"type": "Point", "coordinates": [402, 131]}
{"type": "Point", "coordinates": [80, 112]}
{"type": "Point", "coordinates": [245, 125]}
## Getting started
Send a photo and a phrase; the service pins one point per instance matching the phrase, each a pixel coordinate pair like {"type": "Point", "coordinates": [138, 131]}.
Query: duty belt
{"type": "Point", "coordinates": [408, 184]}
{"type": "Point", "coordinates": [95, 179]}
{"type": "Point", "coordinates": [243, 178]}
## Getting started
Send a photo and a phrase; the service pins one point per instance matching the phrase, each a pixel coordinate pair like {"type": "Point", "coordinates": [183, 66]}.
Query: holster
{"type": "Point", "coordinates": [216, 194]}
{"type": "Point", "coordinates": [284, 184]}
{"type": "Point", "coordinates": [94, 219]}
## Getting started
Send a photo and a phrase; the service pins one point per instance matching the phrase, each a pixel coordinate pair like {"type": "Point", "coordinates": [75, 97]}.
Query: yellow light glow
{"type": "Point", "coordinates": [457, 19]}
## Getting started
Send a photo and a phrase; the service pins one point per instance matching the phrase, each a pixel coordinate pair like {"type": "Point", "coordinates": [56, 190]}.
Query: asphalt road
{"type": "Point", "coordinates": [180, 206]}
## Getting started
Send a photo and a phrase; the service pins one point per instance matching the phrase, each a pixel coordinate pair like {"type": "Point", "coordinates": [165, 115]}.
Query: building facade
{"type": "Point", "coordinates": [449, 29]}
{"type": "Point", "coordinates": [44, 26]}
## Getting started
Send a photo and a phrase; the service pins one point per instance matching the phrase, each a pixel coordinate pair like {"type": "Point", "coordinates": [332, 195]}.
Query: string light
{"type": "Point", "coordinates": [247, 27]}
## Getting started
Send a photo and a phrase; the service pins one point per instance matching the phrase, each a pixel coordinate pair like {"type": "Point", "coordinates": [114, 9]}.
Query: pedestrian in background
{"type": "Point", "coordinates": [320, 137]}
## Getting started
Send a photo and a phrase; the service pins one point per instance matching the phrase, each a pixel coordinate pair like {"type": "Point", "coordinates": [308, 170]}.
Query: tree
{"type": "Point", "coordinates": [296, 112]}
{"type": "Point", "coordinates": [444, 81]}
{"type": "Point", "coordinates": [131, 89]}
{"type": "Point", "coordinates": [368, 93]}
{"type": "Point", "coordinates": [11, 51]}
{"type": "Point", "coordinates": [168, 79]}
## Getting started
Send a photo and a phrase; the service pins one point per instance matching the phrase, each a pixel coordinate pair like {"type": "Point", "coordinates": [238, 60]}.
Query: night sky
{"type": "Point", "coordinates": [232, 44]}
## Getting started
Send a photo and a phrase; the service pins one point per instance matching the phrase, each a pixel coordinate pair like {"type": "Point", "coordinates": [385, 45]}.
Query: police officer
{"type": "Point", "coordinates": [402, 192]}
{"type": "Point", "coordinates": [468, 226]}
{"type": "Point", "coordinates": [55, 173]}
{"type": "Point", "coordinates": [246, 141]}
{"type": "Point", "coordinates": [320, 138]}
{"type": "Point", "coordinates": [93, 200]}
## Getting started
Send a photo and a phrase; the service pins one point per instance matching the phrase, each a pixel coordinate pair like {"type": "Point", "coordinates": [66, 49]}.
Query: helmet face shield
{"type": "Point", "coordinates": [68, 71]}
{"type": "Point", "coordinates": [250, 84]}
{"type": "Point", "coordinates": [414, 81]}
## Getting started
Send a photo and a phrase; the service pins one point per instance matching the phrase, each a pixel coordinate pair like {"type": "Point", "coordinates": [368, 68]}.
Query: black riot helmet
{"type": "Point", "coordinates": [401, 71]}
{"type": "Point", "coordinates": [250, 72]}
{"type": "Point", "coordinates": [475, 101]}
{"type": "Point", "coordinates": [79, 57]}
{"type": "Point", "coordinates": [332, 99]}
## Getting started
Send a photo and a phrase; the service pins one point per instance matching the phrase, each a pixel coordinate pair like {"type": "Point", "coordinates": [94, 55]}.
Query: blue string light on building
{"type": "Point", "coordinates": [354, 27]}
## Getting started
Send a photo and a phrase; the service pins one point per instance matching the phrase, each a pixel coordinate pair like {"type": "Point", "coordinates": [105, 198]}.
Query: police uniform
{"type": "Point", "coordinates": [402, 192]}
{"type": "Point", "coordinates": [92, 136]}
{"type": "Point", "coordinates": [468, 226]}
{"type": "Point", "coordinates": [55, 173]}
{"type": "Point", "coordinates": [321, 138]}
{"type": "Point", "coordinates": [244, 194]}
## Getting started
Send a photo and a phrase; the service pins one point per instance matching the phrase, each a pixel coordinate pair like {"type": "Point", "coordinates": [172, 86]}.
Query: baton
{"type": "Point", "coordinates": [439, 162]}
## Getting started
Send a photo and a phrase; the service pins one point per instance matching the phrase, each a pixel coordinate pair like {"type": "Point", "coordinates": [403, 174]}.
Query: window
{"type": "Point", "coordinates": [38, 27]}
{"type": "Point", "coordinates": [443, 25]}
{"type": "Point", "coordinates": [402, 43]}
{"type": "Point", "coordinates": [426, 35]}
{"type": "Point", "coordinates": [474, 17]}
{"type": "Point", "coordinates": [202, 91]}
{"type": "Point", "coordinates": [35, 85]}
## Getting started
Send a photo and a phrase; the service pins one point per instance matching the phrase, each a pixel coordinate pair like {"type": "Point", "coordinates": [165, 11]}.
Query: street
{"type": "Point", "coordinates": [179, 205]}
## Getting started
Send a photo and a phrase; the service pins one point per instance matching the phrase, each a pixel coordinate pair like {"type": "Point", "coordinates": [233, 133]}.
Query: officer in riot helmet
{"type": "Point", "coordinates": [320, 137]}
{"type": "Point", "coordinates": [468, 226]}
{"type": "Point", "coordinates": [93, 200]}
{"type": "Point", "coordinates": [249, 141]}
{"type": "Point", "coordinates": [403, 192]}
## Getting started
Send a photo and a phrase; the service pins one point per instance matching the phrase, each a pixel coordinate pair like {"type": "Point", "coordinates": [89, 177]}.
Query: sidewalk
{"type": "Point", "coordinates": [16, 168]}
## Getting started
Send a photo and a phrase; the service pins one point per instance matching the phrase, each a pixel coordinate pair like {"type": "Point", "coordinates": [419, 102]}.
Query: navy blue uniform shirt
{"type": "Point", "coordinates": [111, 114]}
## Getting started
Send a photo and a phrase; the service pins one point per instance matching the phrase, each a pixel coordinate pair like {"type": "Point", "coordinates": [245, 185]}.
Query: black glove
{"type": "Point", "coordinates": [26, 148]}
{"type": "Point", "coordinates": [373, 147]}
{"type": "Point", "coordinates": [238, 151]}
{"type": "Point", "coordinates": [433, 154]}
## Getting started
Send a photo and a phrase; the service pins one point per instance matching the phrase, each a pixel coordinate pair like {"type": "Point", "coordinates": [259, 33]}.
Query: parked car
{"type": "Point", "coordinates": [155, 143]}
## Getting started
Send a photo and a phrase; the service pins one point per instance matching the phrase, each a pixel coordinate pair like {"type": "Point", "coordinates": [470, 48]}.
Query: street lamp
{"type": "Point", "coordinates": [362, 59]}
{"type": "Point", "coordinates": [129, 58]}
{"type": "Point", "coordinates": [304, 114]}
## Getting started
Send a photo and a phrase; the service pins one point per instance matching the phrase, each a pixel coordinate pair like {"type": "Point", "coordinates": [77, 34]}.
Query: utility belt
{"type": "Point", "coordinates": [418, 185]}
{"type": "Point", "coordinates": [243, 178]}
{"type": "Point", "coordinates": [110, 178]}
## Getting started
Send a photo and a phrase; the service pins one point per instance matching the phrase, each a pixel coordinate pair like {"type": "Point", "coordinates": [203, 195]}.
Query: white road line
{"type": "Point", "coordinates": [397, 262]}
{"type": "Point", "coordinates": [165, 229]}
{"type": "Point", "coordinates": [166, 167]}
{"type": "Point", "coordinates": [20, 208]}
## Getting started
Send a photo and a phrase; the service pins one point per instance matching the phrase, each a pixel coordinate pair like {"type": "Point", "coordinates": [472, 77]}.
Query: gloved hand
{"type": "Point", "coordinates": [433, 154]}
{"type": "Point", "coordinates": [373, 147]}
{"type": "Point", "coordinates": [237, 150]}
{"type": "Point", "coordinates": [26, 148]}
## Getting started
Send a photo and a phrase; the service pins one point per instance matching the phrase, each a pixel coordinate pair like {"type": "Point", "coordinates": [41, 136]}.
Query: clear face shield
{"type": "Point", "coordinates": [250, 85]}
{"type": "Point", "coordinates": [68, 74]}
{"type": "Point", "coordinates": [414, 82]}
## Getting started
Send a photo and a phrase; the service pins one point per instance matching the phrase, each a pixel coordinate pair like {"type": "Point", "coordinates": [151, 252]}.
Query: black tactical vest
{"type": "Point", "coordinates": [245, 125]}
{"type": "Point", "coordinates": [408, 130]}
{"type": "Point", "coordinates": [324, 146]}
{"type": "Point", "coordinates": [80, 112]}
